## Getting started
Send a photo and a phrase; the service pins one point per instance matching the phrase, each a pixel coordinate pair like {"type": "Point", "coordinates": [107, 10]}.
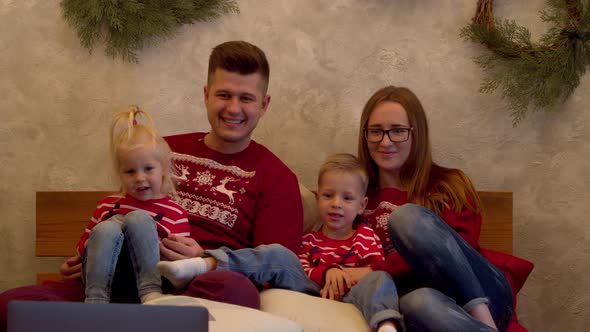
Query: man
{"type": "Point", "coordinates": [236, 192]}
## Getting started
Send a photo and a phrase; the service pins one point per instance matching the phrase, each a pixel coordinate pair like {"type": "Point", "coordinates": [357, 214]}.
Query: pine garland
{"type": "Point", "coordinates": [128, 25]}
{"type": "Point", "coordinates": [536, 76]}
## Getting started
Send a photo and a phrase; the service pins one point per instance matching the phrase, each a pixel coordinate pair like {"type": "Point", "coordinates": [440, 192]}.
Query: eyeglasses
{"type": "Point", "coordinates": [396, 135]}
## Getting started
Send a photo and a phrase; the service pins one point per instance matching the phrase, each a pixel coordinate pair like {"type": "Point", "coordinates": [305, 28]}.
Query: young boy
{"type": "Point", "coordinates": [341, 242]}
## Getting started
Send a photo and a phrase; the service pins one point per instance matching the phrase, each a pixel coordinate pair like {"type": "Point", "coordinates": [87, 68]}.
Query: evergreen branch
{"type": "Point", "coordinates": [534, 76]}
{"type": "Point", "coordinates": [127, 26]}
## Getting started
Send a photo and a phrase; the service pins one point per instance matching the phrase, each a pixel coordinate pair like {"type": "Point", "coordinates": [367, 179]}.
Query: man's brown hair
{"type": "Point", "coordinates": [239, 57]}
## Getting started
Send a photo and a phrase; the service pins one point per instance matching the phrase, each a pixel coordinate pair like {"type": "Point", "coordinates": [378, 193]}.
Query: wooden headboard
{"type": "Point", "coordinates": [61, 217]}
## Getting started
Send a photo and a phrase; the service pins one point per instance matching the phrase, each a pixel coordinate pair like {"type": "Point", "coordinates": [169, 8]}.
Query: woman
{"type": "Point", "coordinates": [428, 218]}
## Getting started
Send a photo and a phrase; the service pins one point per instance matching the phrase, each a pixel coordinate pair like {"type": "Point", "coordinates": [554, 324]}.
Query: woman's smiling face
{"type": "Point", "coordinates": [389, 156]}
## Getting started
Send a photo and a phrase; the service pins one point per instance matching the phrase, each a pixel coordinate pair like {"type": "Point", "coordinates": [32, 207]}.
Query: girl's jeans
{"type": "Point", "coordinates": [456, 277]}
{"type": "Point", "coordinates": [138, 230]}
{"type": "Point", "coordinates": [375, 295]}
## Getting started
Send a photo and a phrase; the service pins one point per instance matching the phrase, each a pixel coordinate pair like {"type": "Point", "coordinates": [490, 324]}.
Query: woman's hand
{"type": "Point", "coordinates": [338, 282]}
{"type": "Point", "coordinates": [179, 247]}
{"type": "Point", "coordinates": [357, 273]}
{"type": "Point", "coordinates": [71, 268]}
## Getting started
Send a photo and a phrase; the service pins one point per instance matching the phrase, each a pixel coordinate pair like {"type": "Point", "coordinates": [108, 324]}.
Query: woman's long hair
{"type": "Point", "coordinates": [427, 183]}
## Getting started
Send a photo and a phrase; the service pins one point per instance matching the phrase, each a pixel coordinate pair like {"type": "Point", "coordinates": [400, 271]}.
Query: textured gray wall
{"type": "Point", "coordinates": [326, 58]}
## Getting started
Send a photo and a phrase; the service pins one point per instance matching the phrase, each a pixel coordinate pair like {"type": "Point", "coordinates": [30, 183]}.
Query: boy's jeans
{"type": "Point", "coordinates": [375, 295]}
{"type": "Point", "coordinates": [456, 277]}
{"type": "Point", "coordinates": [138, 230]}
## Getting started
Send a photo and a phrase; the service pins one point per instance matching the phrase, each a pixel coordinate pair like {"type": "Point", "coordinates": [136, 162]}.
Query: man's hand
{"type": "Point", "coordinates": [338, 282]}
{"type": "Point", "coordinates": [71, 268]}
{"type": "Point", "coordinates": [179, 247]}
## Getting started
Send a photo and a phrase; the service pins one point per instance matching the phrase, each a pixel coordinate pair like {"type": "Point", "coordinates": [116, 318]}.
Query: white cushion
{"type": "Point", "coordinates": [313, 313]}
{"type": "Point", "coordinates": [228, 317]}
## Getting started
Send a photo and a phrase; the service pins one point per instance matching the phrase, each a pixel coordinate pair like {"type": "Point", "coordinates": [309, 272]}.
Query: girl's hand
{"type": "Point", "coordinates": [338, 282]}
{"type": "Point", "coordinates": [71, 268]}
{"type": "Point", "coordinates": [179, 247]}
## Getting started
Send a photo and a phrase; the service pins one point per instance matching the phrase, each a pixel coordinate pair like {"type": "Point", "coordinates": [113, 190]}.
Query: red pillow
{"type": "Point", "coordinates": [515, 325]}
{"type": "Point", "coordinates": [516, 269]}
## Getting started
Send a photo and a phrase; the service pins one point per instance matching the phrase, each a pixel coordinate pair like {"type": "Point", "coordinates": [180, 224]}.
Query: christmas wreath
{"type": "Point", "coordinates": [536, 76]}
{"type": "Point", "coordinates": [127, 25]}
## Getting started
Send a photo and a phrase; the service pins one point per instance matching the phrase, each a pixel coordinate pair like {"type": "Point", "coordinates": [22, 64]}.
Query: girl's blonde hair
{"type": "Point", "coordinates": [135, 128]}
{"type": "Point", "coordinates": [427, 183]}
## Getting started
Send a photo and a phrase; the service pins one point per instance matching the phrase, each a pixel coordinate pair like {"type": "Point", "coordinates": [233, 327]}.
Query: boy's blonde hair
{"type": "Point", "coordinates": [135, 128]}
{"type": "Point", "coordinates": [345, 163]}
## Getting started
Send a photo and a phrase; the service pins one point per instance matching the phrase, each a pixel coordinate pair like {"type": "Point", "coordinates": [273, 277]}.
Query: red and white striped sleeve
{"type": "Point", "coordinates": [100, 214]}
{"type": "Point", "coordinates": [372, 250]}
{"type": "Point", "coordinates": [172, 219]}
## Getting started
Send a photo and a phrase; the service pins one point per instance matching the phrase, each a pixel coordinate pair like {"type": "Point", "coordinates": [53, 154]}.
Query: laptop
{"type": "Point", "coordinates": [33, 316]}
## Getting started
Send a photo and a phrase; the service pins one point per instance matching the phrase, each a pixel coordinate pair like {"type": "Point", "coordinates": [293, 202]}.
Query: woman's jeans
{"type": "Point", "coordinates": [455, 276]}
{"type": "Point", "coordinates": [375, 295]}
{"type": "Point", "coordinates": [138, 230]}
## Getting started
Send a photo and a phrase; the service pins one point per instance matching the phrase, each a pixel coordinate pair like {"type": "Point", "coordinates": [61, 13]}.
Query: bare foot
{"type": "Point", "coordinates": [482, 313]}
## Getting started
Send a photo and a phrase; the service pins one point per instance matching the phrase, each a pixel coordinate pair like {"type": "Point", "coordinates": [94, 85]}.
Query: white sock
{"type": "Point", "coordinates": [182, 271]}
{"type": "Point", "coordinates": [387, 326]}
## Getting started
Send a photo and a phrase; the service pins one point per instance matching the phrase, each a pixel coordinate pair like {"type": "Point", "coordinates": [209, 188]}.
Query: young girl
{"type": "Point", "coordinates": [341, 242]}
{"type": "Point", "coordinates": [135, 217]}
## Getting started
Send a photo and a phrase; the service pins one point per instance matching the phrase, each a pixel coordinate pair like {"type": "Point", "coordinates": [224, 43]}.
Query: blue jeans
{"type": "Point", "coordinates": [138, 230]}
{"type": "Point", "coordinates": [455, 277]}
{"type": "Point", "coordinates": [375, 295]}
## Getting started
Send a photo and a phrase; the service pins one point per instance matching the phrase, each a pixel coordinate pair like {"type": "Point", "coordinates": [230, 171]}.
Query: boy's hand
{"type": "Point", "coordinates": [71, 268]}
{"type": "Point", "coordinates": [338, 282]}
{"type": "Point", "coordinates": [357, 273]}
{"type": "Point", "coordinates": [179, 247]}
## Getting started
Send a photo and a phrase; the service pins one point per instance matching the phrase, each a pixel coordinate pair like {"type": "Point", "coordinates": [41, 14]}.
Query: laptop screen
{"type": "Point", "coordinates": [33, 316]}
